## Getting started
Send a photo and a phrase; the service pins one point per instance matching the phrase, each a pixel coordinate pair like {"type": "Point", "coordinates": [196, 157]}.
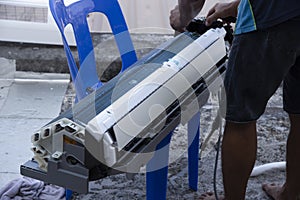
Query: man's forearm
{"type": "Point", "coordinates": [189, 9]}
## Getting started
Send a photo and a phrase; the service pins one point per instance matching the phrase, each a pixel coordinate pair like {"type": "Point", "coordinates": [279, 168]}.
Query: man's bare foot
{"type": "Point", "coordinates": [210, 196]}
{"type": "Point", "coordinates": [274, 190]}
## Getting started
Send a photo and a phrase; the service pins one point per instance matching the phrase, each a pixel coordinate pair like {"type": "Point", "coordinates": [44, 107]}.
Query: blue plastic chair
{"type": "Point", "coordinates": [86, 78]}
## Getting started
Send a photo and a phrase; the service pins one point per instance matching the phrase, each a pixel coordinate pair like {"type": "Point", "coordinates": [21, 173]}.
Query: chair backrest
{"type": "Point", "coordinates": [86, 79]}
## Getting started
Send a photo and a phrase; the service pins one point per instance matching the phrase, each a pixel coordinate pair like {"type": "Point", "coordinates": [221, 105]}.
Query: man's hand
{"type": "Point", "coordinates": [175, 20]}
{"type": "Point", "coordinates": [184, 12]}
{"type": "Point", "coordinates": [222, 10]}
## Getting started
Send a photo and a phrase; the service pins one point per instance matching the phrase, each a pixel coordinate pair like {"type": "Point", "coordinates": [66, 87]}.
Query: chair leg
{"type": "Point", "coordinates": [157, 171]}
{"type": "Point", "coordinates": [68, 194]}
{"type": "Point", "coordinates": [193, 151]}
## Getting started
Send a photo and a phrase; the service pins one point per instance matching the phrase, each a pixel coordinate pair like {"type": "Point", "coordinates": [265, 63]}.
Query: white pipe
{"type": "Point", "coordinates": [258, 170]}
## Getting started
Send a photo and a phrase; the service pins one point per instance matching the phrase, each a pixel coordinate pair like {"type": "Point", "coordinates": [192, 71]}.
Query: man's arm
{"type": "Point", "coordinates": [184, 12]}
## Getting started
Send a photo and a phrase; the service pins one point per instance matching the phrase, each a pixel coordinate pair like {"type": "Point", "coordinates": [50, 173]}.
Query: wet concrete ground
{"type": "Point", "coordinates": [27, 102]}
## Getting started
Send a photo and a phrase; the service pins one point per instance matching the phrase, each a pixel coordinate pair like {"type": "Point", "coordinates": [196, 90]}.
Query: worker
{"type": "Point", "coordinates": [265, 52]}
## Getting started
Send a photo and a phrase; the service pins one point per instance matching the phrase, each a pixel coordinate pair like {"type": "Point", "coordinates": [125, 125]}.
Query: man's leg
{"type": "Point", "coordinates": [238, 157]}
{"type": "Point", "coordinates": [293, 158]}
{"type": "Point", "coordinates": [291, 189]}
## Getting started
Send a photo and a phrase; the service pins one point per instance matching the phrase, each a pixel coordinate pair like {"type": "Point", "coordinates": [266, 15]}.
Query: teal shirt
{"type": "Point", "coordinates": [260, 14]}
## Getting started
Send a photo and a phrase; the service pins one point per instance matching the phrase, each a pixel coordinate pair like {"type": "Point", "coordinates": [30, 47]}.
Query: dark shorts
{"type": "Point", "coordinates": [258, 63]}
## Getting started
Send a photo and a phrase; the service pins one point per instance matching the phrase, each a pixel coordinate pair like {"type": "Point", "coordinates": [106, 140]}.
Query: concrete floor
{"type": "Point", "coordinates": [27, 102]}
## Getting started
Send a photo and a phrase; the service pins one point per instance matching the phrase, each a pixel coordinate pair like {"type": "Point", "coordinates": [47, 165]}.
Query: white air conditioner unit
{"type": "Point", "coordinates": [29, 21]}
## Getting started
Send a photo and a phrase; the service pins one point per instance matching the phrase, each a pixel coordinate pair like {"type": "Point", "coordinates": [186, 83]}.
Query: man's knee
{"type": "Point", "coordinates": [241, 126]}
{"type": "Point", "coordinates": [295, 120]}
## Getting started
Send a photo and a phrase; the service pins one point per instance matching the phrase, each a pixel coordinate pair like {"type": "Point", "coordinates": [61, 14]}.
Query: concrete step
{"type": "Point", "coordinates": [51, 58]}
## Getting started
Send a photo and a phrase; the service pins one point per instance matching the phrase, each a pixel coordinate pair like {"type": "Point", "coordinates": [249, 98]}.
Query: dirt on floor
{"type": "Point", "coordinates": [272, 130]}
